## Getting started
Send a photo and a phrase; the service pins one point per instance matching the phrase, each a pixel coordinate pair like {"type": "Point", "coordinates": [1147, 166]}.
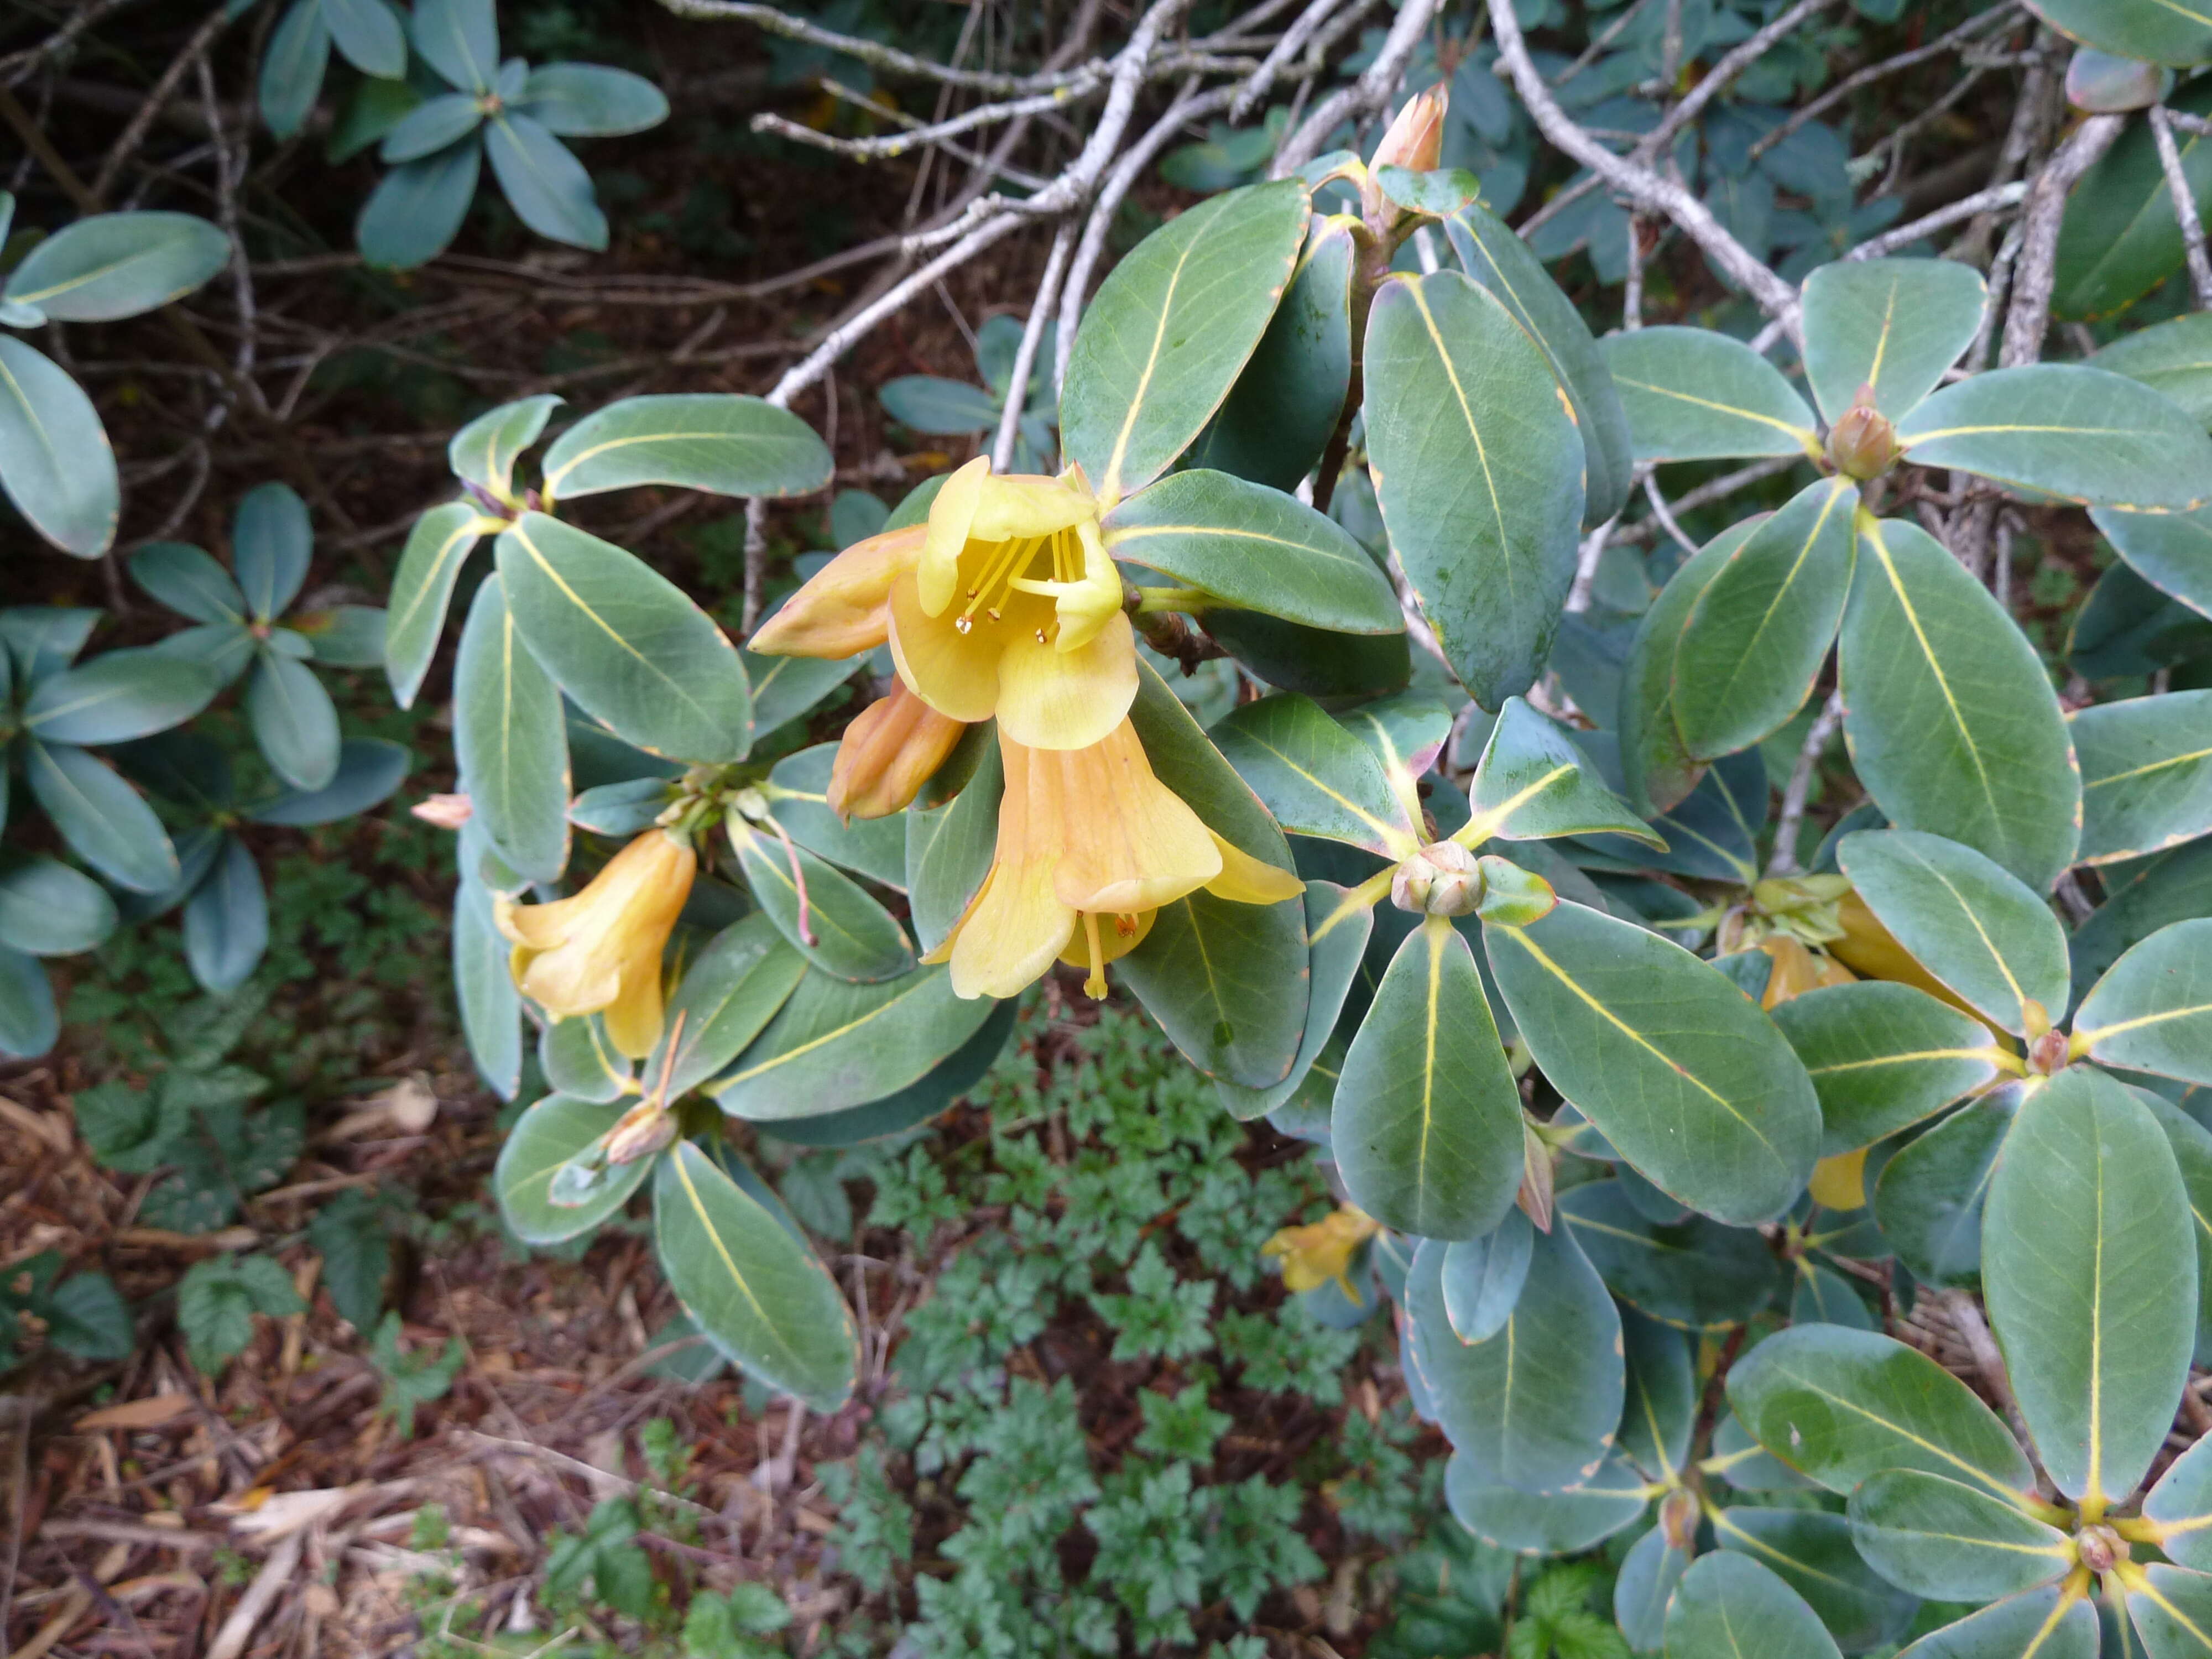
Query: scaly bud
{"type": "Point", "coordinates": [1416, 137]}
{"type": "Point", "coordinates": [1862, 443]}
{"type": "Point", "coordinates": [640, 1133]}
{"type": "Point", "coordinates": [1442, 879]}
{"type": "Point", "coordinates": [447, 811]}
{"type": "Point", "coordinates": [2100, 1548]}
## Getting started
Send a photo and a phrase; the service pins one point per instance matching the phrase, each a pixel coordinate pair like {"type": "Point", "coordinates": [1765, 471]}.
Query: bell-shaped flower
{"type": "Point", "coordinates": [600, 952]}
{"type": "Point", "coordinates": [1313, 1256]}
{"type": "Point", "coordinates": [890, 749]}
{"type": "Point", "coordinates": [1014, 611]}
{"type": "Point", "coordinates": [1091, 843]}
{"type": "Point", "coordinates": [844, 608]}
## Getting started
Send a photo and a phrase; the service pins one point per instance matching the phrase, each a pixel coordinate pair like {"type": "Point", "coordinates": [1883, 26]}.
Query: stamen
{"type": "Point", "coordinates": [1125, 927]}
{"type": "Point", "coordinates": [1094, 986]}
{"type": "Point", "coordinates": [1008, 562]}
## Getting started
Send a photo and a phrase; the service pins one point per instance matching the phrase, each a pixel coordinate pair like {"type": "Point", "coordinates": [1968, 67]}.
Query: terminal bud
{"type": "Point", "coordinates": [1862, 443]}
{"type": "Point", "coordinates": [1442, 879]}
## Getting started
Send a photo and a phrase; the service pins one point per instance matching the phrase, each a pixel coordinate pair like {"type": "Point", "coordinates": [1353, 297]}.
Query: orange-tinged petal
{"type": "Point", "coordinates": [1011, 935]}
{"type": "Point", "coordinates": [955, 673]}
{"type": "Point", "coordinates": [1247, 880]}
{"type": "Point", "coordinates": [1049, 698]}
{"type": "Point", "coordinates": [893, 747]}
{"type": "Point", "coordinates": [950, 517]}
{"type": "Point", "coordinates": [576, 955]}
{"type": "Point", "coordinates": [633, 1018]}
{"type": "Point", "coordinates": [843, 609]}
{"type": "Point", "coordinates": [1130, 843]}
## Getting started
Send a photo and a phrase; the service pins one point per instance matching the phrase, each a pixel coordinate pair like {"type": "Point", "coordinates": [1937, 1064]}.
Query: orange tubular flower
{"type": "Point", "coordinates": [600, 952]}
{"type": "Point", "coordinates": [845, 609]}
{"type": "Point", "coordinates": [1090, 845]}
{"type": "Point", "coordinates": [893, 747]}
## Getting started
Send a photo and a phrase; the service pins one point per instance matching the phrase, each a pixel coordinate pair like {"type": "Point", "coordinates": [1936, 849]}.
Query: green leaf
{"type": "Point", "coordinates": [105, 821]}
{"type": "Point", "coordinates": [510, 740]}
{"type": "Point", "coordinates": [590, 101]}
{"type": "Point", "coordinates": [87, 1318]}
{"type": "Point", "coordinates": [484, 450]}
{"type": "Point", "coordinates": [1337, 953]}
{"type": "Point", "coordinates": [1481, 1279]}
{"type": "Point", "coordinates": [1657, 770]}
{"type": "Point", "coordinates": [217, 1299]}
{"type": "Point", "coordinates": [798, 800]}
{"type": "Point", "coordinates": [1967, 921]}
{"type": "Point", "coordinates": [2086, 1189]}
{"type": "Point", "coordinates": [1315, 777]}
{"type": "Point", "coordinates": [2172, 358]}
{"type": "Point", "coordinates": [189, 582]}
{"type": "Point", "coordinates": [117, 265]}
{"type": "Point", "coordinates": [2172, 1610]}
{"type": "Point", "coordinates": [2082, 434]}
{"type": "Point", "coordinates": [226, 920]}
{"type": "Point", "coordinates": [42, 639]}
{"type": "Point", "coordinates": [1426, 1126]}
{"type": "Point", "coordinates": [292, 65]}
{"type": "Point", "coordinates": [343, 636]}
{"type": "Point", "coordinates": [759, 1294]}
{"type": "Point", "coordinates": [1758, 631]}
{"type": "Point", "coordinates": [919, 1100]}
{"type": "Point", "coordinates": [29, 1023]}
{"type": "Point", "coordinates": [1676, 1066]}
{"type": "Point", "coordinates": [729, 993]}
{"type": "Point", "coordinates": [1650, 1574]}
{"type": "Point", "coordinates": [2120, 237]}
{"type": "Point", "coordinates": [1939, 1538]}
{"type": "Point", "coordinates": [2192, 1152]}
{"type": "Point", "coordinates": [1535, 1406]}
{"type": "Point", "coordinates": [1953, 725]}
{"type": "Point", "coordinates": [349, 1233]}
{"type": "Point", "coordinates": [1840, 1404]}
{"type": "Point", "coordinates": [1929, 1199]}
{"type": "Point", "coordinates": [1812, 1553]}
{"type": "Point", "coordinates": [2152, 1012]}
{"type": "Point", "coordinates": [578, 1061]}
{"type": "Point", "coordinates": [835, 1044]}
{"type": "Point", "coordinates": [437, 547]}
{"type": "Point", "coordinates": [544, 1140]}
{"type": "Point", "coordinates": [369, 770]}
{"type": "Point", "coordinates": [1562, 1523]}
{"type": "Point", "coordinates": [459, 38]}
{"type": "Point", "coordinates": [484, 984]}
{"type": "Point", "coordinates": [785, 688]}
{"type": "Point", "coordinates": [295, 722]}
{"type": "Point", "coordinates": [1495, 256]}
{"type": "Point", "coordinates": [1895, 325]}
{"type": "Point", "coordinates": [55, 461]}
{"type": "Point", "coordinates": [1276, 420]}
{"type": "Point", "coordinates": [2141, 897]}
{"type": "Point", "coordinates": [1823, 1297]}
{"type": "Point", "coordinates": [2178, 33]}
{"type": "Point", "coordinates": [1171, 329]}
{"type": "Point", "coordinates": [1693, 395]}
{"type": "Point", "coordinates": [2145, 774]}
{"type": "Point", "coordinates": [1882, 1057]}
{"type": "Point", "coordinates": [730, 445]}
{"type": "Point", "coordinates": [1695, 1275]}
{"type": "Point", "coordinates": [1534, 782]}
{"type": "Point", "coordinates": [1321, 664]}
{"type": "Point", "coordinates": [949, 850]}
{"type": "Point", "coordinates": [625, 642]}
{"type": "Point", "coordinates": [1661, 1411]}
{"type": "Point", "coordinates": [2181, 1506]}
{"type": "Point", "coordinates": [1255, 548]}
{"type": "Point", "coordinates": [2042, 1624]}
{"type": "Point", "coordinates": [430, 126]}
{"type": "Point", "coordinates": [1729, 1606]}
{"type": "Point", "coordinates": [840, 930]}
{"type": "Point", "coordinates": [543, 181]}
{"type": "Point", "coordinates": [369, 34]}
{"type": "Point", "coordinates": [417, 209]}
{"type": "Point", "coordinates": [118, 697]}
{"type": "Point", "coordinates": [48, 910]}
{"type": "Point", "coordinates": [1479, 471]}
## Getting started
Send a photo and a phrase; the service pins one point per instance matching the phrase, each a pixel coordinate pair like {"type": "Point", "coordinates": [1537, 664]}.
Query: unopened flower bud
{"type": "Point", "coordinates": [1862, 443]}
{"type": "Point", "coordinates": [1442, 879]}
{"type": "Point", "coordinates": [640, 1133]}
{"type": "Point", "coordinates": [1416, 137]}
{"type": "Point", "coordinates": [447, 811]}
{"type": "Point", "coordinates": [2100, 1548]}
{"type": "Point", "coordinates": [2047, 1054]}
{"type": "Point", "coordinates": [1678, 1519]}
{"type": "Point", "coordinates": [893, 748]}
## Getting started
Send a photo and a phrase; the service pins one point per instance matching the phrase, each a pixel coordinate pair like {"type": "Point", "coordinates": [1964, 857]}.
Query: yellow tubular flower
{"type": "Point", "coordinates": [1797, 971]}
{"type": "Point", "coordinates": [893, 747]}
{"type": "Point", "coordinates": [1014, 611]}
{"type": "Point", "coordinates": [1090, 845]}
{"type": "Point", "coordinates": [845, 608]}
{"type": "Point", "coordinates": [1313, 1256]}
{"type": "Point", "coordinates": [600, 952]}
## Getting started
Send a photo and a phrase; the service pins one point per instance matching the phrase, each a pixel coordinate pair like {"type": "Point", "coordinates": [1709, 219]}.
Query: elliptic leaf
{"type": "Point", "coordinates": [486, 450]}
{"type": "Point", "coordinates": [117, 265]}
{"type": "Point", "coordinates": [511, 740]}
{"type": "Point", "coordinates": [625, 642]}
{"type": "Point", "coordinates": [417, 209]}
{"type": "Point", "coordinates": [2041, 1623]}
{"type": "Point", "coordinates": [459, 38]}
{"type": "Point", "coordinates": [1336, 955]}
{"type": "Point", "coordinates": [835, 1044]}
{"type": "Point", "coordinates": [292, 65]}
{"type": "Point", "coordinates": [1729, 1606]}
{"type": "Point", "coordinates": [440, 544]}
{"type": "Point", "coordinates": [1657, 767]}
{"type": "Point", "coordinates": [1882, 1057]}
{"type": "Point", "coordinates": [949, 850]}
{"type": "Point", "coordinates": [543, 181]}
{"type": "Point", "coordinates": [1661, 1412]}
{"type": "Point", "coordinates": [1479, 471]}
{"type": "Point", "coordinates": [1812, 1553]}
{"type": "Point", "coordinates": [1426, 1124]}
{"type": "Point", "coordinates": [1693, 1273]}
{"type": "Point", "coordinates": [48, 910]}
{"type": "Point", "coordinates": [105, 821]}
{"type": "Point", "coordinates": [2152, 1012]}
{"type": "Point", "coordinates": [591, 100]}
{"type": "Point", "coordinates": [2120, 237]}
{"type": "Point", "coordinates": [784, 688]}
{"type": "Point", "coordinates": [729, 993]}
{"type": "Point", "coordinates": [1953, 723]}
{"type": "Point", "coordinates": [2178, 32]}
{"type": "Point", "coordinates": [484, 984]}
{"type": "Point", "coordinates": [1563, 1523]}
{"type": "Point", "coordinates": [295, 722]}
{"type": "Point", "coordinates": [367, 34]}
{"type": "Point", "coordinates": [369, 770]}
{"type": "Point", "coordinates": [1676, 1066]}
{"type": "Point", "coordinates": [1315, 777]}
{"type": "Point", "coordinates": [1929, 1199]}
{"type": "Point", "coordinates": [1171, 328]}
{"type": "Point", "coordinates": [2172, 358]}
{"type": "Point", "coordinates": [116, 697]}
{"type": "Point", "coordinates": [714, 441]}
{"type": "Point", "coordinates": [1649, 1574]}
{"type": "Point", "coordinates": [2145, 774]}
{"type": "Point", "coordinates": [830, 920]}
{"type": "Point", "coordinates": [55, 461]}
{"type": "Point", "coordinates": [544, 1139]}
{"type": "Point", "coordinates": [1895, 325]}
{"type": "Point", "coordinates": [2086, 1194]}
{"type": "Point", "coordinates": [760, 1296]}
{"type": "Point", "coordinates": [188, 581]}
{"type": "Point", "coordinates": [30, 1022]}
{"type": "Point", "coordinates": [1952, 1542]}
{"type": "Point", "coordinates": [1533, 783]}
{"type": "Point", "coordinates": [2180, 1506]}
{"type": "Point", "coordinates": [1693, 395]}
{"type": "Point", "coordinates": [226, 920]}
{"type": "Point", "coordinates": [579, 1061]}
{"type": "Point", "coordinates": [1482, 1278]}
{"type": "Point", "coordinates": [798, 800]}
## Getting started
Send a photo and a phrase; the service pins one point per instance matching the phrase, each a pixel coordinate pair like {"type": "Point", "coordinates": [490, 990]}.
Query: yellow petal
{"type": "Point", "coordinates": [955, 673]}
{"type": "Point", "coordinates": [1016, 924]}
{"type": "Point", "coordinates": [1247, 880]}
{"type": "Point", "coordinates": [1027, 504]}
{"type": "Point", "coordinates": [571, 981]}
{"type": "Point", "coordinates": [1049, 698]}
{"type": "Point", "coordinates": [842, 610]}
{"type": "Point", "coordinates": [1839, 1182]}
{"type": "Point", "coordinates": [950, 517]}
{"type": "Point", "coordinates": [1095, 598]}
{"type": "Point", "coordinates": [633, 1018]}
{"type": "Point", "coordinates": [1129, 844]}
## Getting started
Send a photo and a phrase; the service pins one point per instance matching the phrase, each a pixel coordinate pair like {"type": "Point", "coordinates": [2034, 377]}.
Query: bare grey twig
{"type": "Point", "coordinates": [2184, 201]}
